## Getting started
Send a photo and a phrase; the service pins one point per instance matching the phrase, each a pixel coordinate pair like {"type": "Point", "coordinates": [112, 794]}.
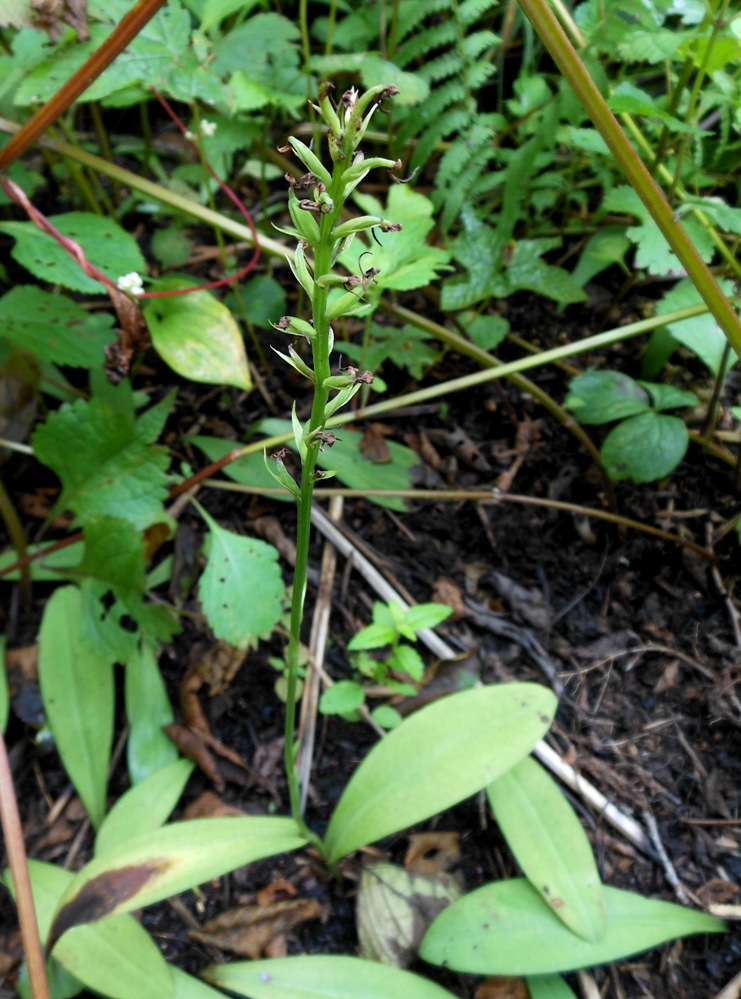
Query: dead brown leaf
{"type": "Point", "coordinates": [255, 931]}
{"type": "Point", "coordinates": [11, 951]}
{"type": "Point", "coordinates": [373, 445]}
{"type": "Point", "coordinates": [432, 853]}
{"type": "Point", "coordinates": [270, 529]}
{"type": "Point", "coordinates": [446, 592]}
{"type": "Point", "coordinates": [209, 805]}
{"type": "Point", "coordinates": [49, 15]}
{"type": "Point", "coordinates": [462, 446]}
{"type": "Point", "coordinates": [219, 665]}
{"type": "Point", "coordinates": [502, 988]}
{"type": "Point", "coordinates": [530, 604]}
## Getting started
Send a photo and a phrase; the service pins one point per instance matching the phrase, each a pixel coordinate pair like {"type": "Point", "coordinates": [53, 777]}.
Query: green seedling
{"type": "Point", "coordinates": [647, 444]}
{"type": "Point", "coordinates": [398, 671]}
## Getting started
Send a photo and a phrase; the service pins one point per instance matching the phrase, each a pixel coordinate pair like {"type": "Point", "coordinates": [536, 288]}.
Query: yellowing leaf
{"type": "Point", "coordinates": [198, 337]}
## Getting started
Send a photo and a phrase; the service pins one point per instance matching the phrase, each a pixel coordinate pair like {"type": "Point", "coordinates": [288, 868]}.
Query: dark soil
{"type": "Point", "coordinates": [643, 635]}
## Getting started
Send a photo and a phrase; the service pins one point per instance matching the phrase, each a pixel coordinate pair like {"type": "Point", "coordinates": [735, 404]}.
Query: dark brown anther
{"type": "Point", "coordinates": [280, 455]}
{"type": "Point", "coordinates": [402, 180]}
{"type": "Point", "coordinates": [283, 324]}
{"type": "Point", "coordinates": [310, 206]}
{"type": "Point", "coordinates": [319, 474]}
{"type": "Point", "coordinates": [365, 377]}
{"type": "Point", "coordinates": [327, 440]}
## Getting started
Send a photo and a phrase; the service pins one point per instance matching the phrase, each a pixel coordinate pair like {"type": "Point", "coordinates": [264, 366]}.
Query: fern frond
{"type": "Point", "coordinates": [471, 11]}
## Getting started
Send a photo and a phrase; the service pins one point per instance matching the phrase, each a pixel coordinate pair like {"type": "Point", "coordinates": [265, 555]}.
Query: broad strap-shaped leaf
{"type": "Point", "coordinates": [550, 846]}
{"type": "Point", "coordinates": [147, 710]}
{"type": "Point", "coordinates": [436, 758]}
{"type": "Point", "coordinates": [198, 337]}
{"type": "Point", "coordinates": [115, 957]}
{"type": "Point", "coordinates": [321, 976]}
{"type": "Point", "coordinates": [505, 928]}
{"type": "Point", "coordinates": [241, 588]}
{"type": "Point", "coordinates": [167, 861]}
{"type": "Point", "coordinates": [144, 807]}
{"type": "Point", "coordinates": [78, 695]}
{"type": "Point", "coordinates": [188, 987]}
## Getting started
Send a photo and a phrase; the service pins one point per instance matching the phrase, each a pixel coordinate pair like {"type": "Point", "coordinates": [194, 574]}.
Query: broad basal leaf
{"type": "Point", "coordinates": [115, 957]}
{"type": "Point", "coordinates": [54, 328]}
{"type": "Point", "coordinates": [320, 976]}
{"type": "Point", "coordinates": [143, 807]}
{"type": "Point", "coordinates": [436, 758]}
{"type": "Point", "coordinates": [548, 987]}
{"type": "Point", "coordinates": [78, 696]}
{"type": "Point", "coordinates": [165, 861]}
{"type": "Point", "coordinates": [241, 588]}
{"type": "Point", "coordinates": [506, 928]}
{"type": "Point", "coordinates": [198, 337]}
{"type": "Point", "coordinates": [550, 846]}
{"type": "Point", "coordinates": [147, 709]}
{"type": "Point", "coordinates": [105, 468]}
{"type": "Point", "coordinates": [106, 245]}
{"type": "Point", "coordinates": [114, 553]}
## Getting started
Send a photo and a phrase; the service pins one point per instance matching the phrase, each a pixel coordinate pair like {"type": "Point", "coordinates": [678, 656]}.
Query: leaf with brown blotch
{"type": "Point", "coordinates": [502, 988]}
{"type": "Point", "coordinates": [167, 861]}
{"type": "Point", "coordinates": [255, 930]}
{"type": "Point", "coordinates": [203, 749]}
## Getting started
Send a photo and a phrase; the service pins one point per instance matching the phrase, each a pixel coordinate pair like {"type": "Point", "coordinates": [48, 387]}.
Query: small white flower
{"type": "Point", "coordinates": [131, 284]}
{"type": "Point", "coordinates": [190, 136]}
{"type": "Point", "coordinates": [208, 127]}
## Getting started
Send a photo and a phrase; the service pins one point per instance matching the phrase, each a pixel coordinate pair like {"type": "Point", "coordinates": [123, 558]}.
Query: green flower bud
{"type": "Point", "coordinates": [310, 160]}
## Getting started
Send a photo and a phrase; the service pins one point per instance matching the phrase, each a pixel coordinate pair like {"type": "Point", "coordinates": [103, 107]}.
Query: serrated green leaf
{"type": "Point", "coordinates": [341, 698]}
{"type": "Point", "coordinates": [54, 328]}
{"type": "Point", "coordinates": [550, 846]}
{"type": "Point", "coordinates": [241, 588]}
{"type": "Point", "coordinates": [644, 448]}
{"type": "Point", "coordinates": [491, 931]}
{"type": "Point", "coordinates": [144, 807]}
{"type": "Point", "coordinates": [78, 696]}
{"type": "Point", "coordinates": [700, 334]}
{"type": "Point", "coordinates": [198, 337]}
{"type": "Point", "coordinates": [115, 957]}
{"type": "Point", "coordinates": [104, 468]}
{"type": "Point", "coordinates": [436, 758]}
{"type": "Point", "coordinates": [102, 628]}
{"type": "Point", "coordinates": [374, 636]}
{"type": "Point", "coordinates": [147, 709]}
{"type": "Point", "coordinates": [109, 247]}
{"type": "Point", "coordinates": [320, 976]}
{"type": "Point", "coordinates": [427, 615]}
{"type": "Point", "coordinates": [166, 861]}
{"type": "Point", "coordinates": [114, 553]}
{"type": "Point", "coordinates": [603, 396]}
{"type": "Point", "coordinates": [407, 660]}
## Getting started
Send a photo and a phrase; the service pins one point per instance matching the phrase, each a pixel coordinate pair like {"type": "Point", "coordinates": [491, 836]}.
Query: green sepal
{"type": "Point", "coordinates": [344, 306]}
{"type": "Point", "coordinates": [341, 399]}
{"type": "Point", "coordinates": [301, 272]}
{"type": "Point", "coordinates": [332, 280]}
{"type": "Point", "coordinates": [281, 476]}
{"type": "Point", "coordinates": [298, 434]}
{"type": "Point", "coordinates": [295, 327]}
{"type": "Point", "coordinates": [306, 224]}
{"type": "Point", "coordinates": [356, 225]}
{"type": "Point", "coordinates": [310, 160]}
{"type": "Point", "coordinates": [296, 363]}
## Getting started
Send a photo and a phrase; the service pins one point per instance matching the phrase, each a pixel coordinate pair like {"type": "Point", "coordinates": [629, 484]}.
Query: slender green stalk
{"type": "Point", "coordinates": [573, 69]}
{"type": "Point", "coordinates": [319, 228]}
